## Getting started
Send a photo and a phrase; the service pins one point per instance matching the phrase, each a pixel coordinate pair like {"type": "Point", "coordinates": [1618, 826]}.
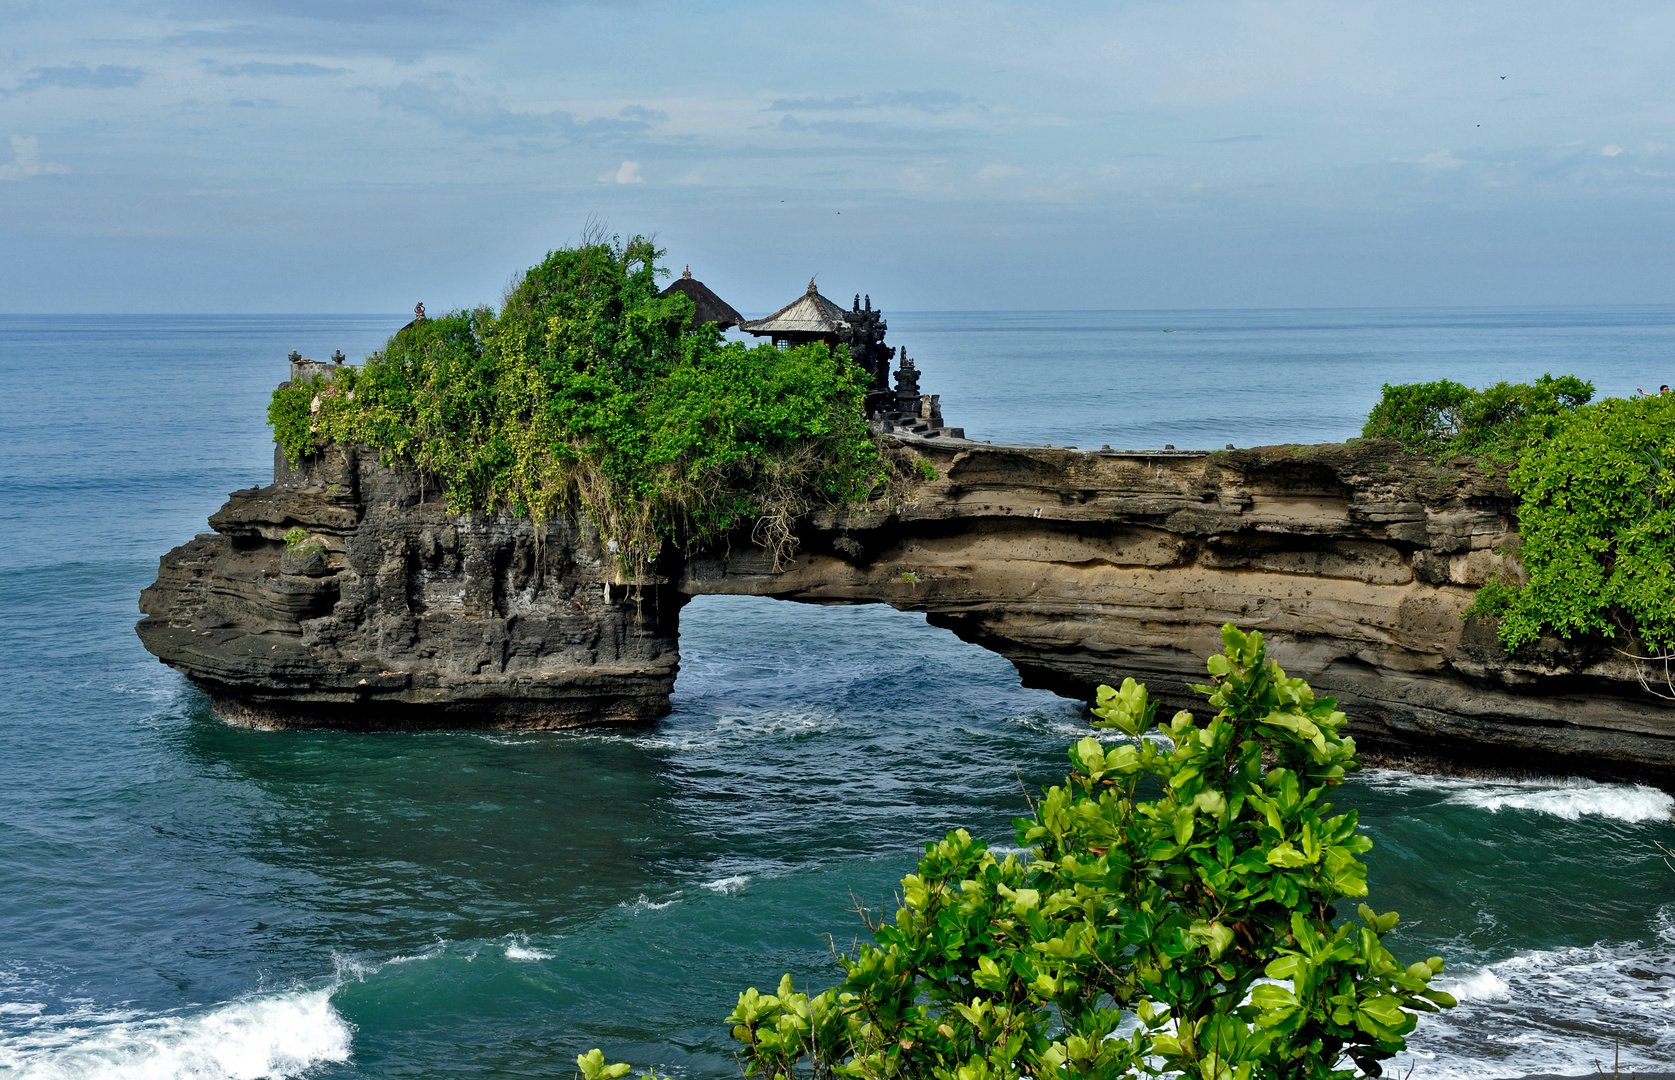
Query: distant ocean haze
{"type": "Point", "coordinates": [180, 898]}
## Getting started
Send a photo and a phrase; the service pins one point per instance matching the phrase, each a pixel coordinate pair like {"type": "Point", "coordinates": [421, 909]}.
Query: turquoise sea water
{"type": "Point", "coordinates": [183, 899]}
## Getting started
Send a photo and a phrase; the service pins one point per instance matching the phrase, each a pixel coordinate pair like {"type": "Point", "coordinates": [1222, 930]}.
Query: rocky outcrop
{"type": "Point", "coordinates": [391, 612]}
{"type": "Point", "coordinates": [1356, 561]}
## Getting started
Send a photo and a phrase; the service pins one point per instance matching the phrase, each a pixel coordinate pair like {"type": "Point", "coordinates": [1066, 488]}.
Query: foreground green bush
{"type": "Point", "coordinates": [589, 389]}
{"type": "Point", "coordinates": [1139, 936]}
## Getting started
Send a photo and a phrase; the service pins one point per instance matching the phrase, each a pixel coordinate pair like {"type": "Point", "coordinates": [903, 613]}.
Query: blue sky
{"type": "Point", "coordinates": [314, 155]}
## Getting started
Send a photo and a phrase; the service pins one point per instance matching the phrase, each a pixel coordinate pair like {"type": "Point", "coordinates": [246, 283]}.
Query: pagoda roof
{"type": "Point", "coordinates": [809, 313]}
{"type": "Point", "coordinates": [706, 306]}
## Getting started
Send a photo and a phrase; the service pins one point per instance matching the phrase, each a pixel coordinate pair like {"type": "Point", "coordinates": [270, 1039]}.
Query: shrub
{"type": "Point", "coordinates": [1446, 417]}
{"type": "Point", "coordinates": [298, 544]}
{"type": "Point", "coordinates": [1139, 936]}
{"type": "Point", "coordinates": [1594, 499]}
{"type": "Point", "coordinates": [589, 389]}
{"type": "Point", "coordinates": [1596, 513]}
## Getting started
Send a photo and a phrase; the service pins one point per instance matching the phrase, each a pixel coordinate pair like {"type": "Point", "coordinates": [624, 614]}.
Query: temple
{"type": "Point", "coordinates": [812, 317]}
{"type": "Point", "coordinates": [706, 306]}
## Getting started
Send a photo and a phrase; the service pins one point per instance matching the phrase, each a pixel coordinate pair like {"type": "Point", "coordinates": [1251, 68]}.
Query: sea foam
{"type": "Point", "coordinates": [272, 1036]}
{"type": "Point", "coordinates": [1570, 798]}
{"type": "Point", "coordinates": [642, 903]}
{"type": "Point", "coordinates": [735, 729]}
{"type": "Point", "coordinates": [1576, 798]}
{"type": "Point", "coordinates": [520, 949]}
{"type": "Point", "coordinates": [1553, 1011]}
{"type": "Point", "coordinates": [514, 951]}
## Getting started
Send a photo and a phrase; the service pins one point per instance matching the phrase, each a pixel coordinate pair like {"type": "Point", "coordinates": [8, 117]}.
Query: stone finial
{"type": "Point", "coordinates": [811, 287]}
{"type": "Point", "coordinates": [419, 312]}
{"type": "Point", "coordinates": [686, 275]}
{"type": "Point", "coordinates": [337, 356]}
{"type": "Point", "coordinates": [295, 357]}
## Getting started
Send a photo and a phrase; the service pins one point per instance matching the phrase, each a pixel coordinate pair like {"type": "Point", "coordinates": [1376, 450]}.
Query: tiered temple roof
{"type": "Point", "coordinates": [810, 317]}
{"type": "Point", "coordinates": [706, 306]}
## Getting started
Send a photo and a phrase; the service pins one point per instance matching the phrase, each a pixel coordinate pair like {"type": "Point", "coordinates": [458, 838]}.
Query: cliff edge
{"type": "Point", "coordinates": [393, 613]}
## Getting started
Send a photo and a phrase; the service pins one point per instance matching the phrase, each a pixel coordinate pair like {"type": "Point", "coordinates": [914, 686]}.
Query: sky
{"type": "Point", "coordinates": [331, 156]}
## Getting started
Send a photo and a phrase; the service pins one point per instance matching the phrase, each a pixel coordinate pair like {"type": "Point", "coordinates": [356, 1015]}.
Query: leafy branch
{"type": "Point", "coordinates": [1192, 934]}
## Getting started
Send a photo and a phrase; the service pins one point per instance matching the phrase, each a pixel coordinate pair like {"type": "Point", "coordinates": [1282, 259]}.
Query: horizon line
{"type": "Point", "coordinates": [902, 311]}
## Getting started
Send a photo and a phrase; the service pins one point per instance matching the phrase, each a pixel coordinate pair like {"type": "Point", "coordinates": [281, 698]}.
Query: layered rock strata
{"type": "Point", "coordinates": [1357, 562]}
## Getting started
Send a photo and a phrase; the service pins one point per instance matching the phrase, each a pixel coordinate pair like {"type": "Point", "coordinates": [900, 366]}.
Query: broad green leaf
{"type": "Point", "coordinates": [1286, 856]}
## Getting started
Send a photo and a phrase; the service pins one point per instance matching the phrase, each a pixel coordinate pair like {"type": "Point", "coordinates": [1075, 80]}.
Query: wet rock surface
{"type": "Point", "coordinates": [1356, 561]}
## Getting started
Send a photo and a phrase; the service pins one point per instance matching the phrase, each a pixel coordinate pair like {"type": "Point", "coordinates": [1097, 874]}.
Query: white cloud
{"type": "Point", "coordinates": [26, 160]}
{"type": "Point", "coordinates": [1442, 159]}
{"type": "Point", "coordinates": [628, 173]}
{"type": "Point", "coordinates": [1612, 151]}
{"type": "Point", "coordinates": [997, 172]}
{"type": "Point", "coordinates": [922, 176]}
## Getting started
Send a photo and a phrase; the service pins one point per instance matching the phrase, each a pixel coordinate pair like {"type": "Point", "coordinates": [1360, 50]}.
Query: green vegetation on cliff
{"type": "Point", "coordinates": [1596, 511]}
{"type": "Point", "coordinates": [1596, 500]}
{"type": "Point", "coordinates": [588, 389]}
{"type": "Point", "coordinates": [1446, 417]}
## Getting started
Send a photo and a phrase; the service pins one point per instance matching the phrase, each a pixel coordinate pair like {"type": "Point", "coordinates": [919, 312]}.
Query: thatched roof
{"type": "Point", "coordinates": [706, 306]}
{"type": "Point", "coordinates": [809, 314]}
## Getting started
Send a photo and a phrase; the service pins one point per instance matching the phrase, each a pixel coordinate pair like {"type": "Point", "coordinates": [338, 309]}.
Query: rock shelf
{"type": "Point", "coordinates": [1356, 561]}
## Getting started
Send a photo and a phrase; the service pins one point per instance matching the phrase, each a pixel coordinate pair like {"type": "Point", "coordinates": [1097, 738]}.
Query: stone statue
{"type": "Point", "coordinates": [862, 330]}
{"type": "Point", "coordinates": [907, 387]}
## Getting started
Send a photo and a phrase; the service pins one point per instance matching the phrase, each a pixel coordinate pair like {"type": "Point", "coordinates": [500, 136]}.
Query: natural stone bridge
{"type": "Point", "coordinates": [1356, 561]}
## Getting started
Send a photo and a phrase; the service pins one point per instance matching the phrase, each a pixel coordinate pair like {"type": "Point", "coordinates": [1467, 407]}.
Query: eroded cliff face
{"type": "Point", "coordinates": [1356, 562]}
{"type": "Point", "coordinates": [395, 613]}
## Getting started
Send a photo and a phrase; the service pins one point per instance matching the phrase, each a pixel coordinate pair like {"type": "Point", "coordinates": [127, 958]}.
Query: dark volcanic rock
{"type": "Point", "coordinates": [395, 613]}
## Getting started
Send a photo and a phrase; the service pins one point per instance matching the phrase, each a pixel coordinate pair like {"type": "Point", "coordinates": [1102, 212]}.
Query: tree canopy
{"type": "Point", "coordinates": [588, 389]}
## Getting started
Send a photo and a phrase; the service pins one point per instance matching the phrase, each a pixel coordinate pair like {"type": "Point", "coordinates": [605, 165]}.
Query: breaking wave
{"type": "Point", "coordinates": [522, 950]}
{"type": "Point", "coordinates": [273, 1036]}
{"type": "Point", "coordinates": [1570, 798]}
{"type": "Point", "coordinates": [1554, 1012]}
{"type": "Point", "coordinates": [642, 903]}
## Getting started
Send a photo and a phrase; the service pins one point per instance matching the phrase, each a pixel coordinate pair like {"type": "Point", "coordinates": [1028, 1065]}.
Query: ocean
{"type": "Point", "coordinates": [184, 899]}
